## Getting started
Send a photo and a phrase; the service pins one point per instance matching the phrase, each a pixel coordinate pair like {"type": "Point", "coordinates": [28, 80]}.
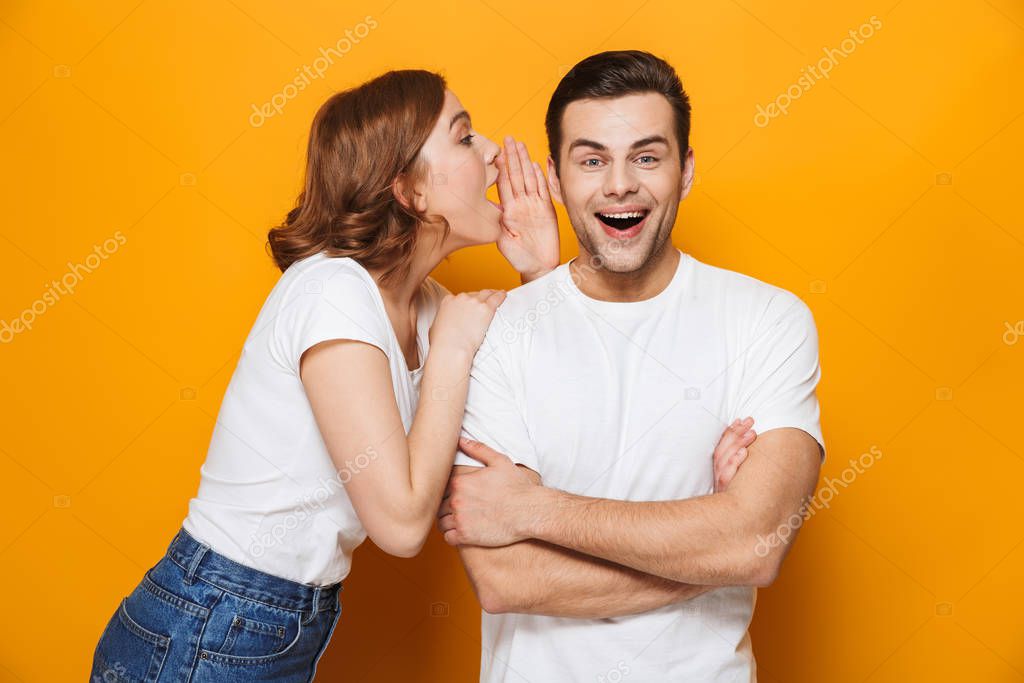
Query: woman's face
{"type": "Point", "coordinates": [460, 168]}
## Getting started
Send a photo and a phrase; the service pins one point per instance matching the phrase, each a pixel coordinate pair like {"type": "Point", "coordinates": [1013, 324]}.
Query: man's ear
{"type": "Point", "coordinates": [686, 182]}
{"type": "Point", "coordinates": [554, 186]}
{"type": "Point", "coordinates": [409, 193]}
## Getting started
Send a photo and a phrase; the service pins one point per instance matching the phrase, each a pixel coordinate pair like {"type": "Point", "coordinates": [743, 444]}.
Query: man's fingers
{"type": "Point", "coordinates": [730, 469]}
{"type": "Point", "coordinates": [445, 509]}
{"type": "Point", "coordinates": [483, 453]}
{"type": "Point", "coordinates": [726, 445]}
{"type": "Point", "coordinates": [446, 523]}
{"type": "Point", "coordinates": [451, 537]}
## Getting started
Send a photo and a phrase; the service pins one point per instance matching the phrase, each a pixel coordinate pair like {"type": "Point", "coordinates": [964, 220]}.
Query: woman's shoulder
{"type": "Point", "coordinates": [323, 265]}
{"type": "Point", "coordinates": [336, 278]}
{"type": "Point", "coordinates": [323, 297]}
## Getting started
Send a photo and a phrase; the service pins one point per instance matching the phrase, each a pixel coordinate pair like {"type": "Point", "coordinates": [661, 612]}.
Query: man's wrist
{"type": "Point", "coordinates": [535, 511]}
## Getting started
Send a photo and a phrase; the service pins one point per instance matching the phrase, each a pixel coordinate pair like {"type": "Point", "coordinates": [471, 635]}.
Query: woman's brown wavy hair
{"type": "Point", "coordinates": [361, 141]}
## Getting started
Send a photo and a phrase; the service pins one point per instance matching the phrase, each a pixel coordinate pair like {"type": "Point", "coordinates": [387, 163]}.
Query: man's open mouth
{"type": "Point", "coordinates": [622, 220]}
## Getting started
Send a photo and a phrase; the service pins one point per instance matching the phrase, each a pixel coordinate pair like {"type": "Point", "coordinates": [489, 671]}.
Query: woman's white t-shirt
{"type": "Point", "coordinates": [270, 496]}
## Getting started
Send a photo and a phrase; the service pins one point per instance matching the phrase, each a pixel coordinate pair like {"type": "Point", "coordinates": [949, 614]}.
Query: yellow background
{"type": "Point", "coordinates": [888, 198]}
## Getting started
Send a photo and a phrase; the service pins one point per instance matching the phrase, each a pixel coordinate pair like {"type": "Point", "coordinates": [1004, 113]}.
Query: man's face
{"type": "Point", "coordinates": [621, 178]}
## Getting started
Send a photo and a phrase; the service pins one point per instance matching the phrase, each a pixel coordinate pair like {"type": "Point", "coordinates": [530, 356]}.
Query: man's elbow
{"type": "Point", "coordinates": [493, 601]}
{"type": "Point", "coordinates": [492, 591]}
{"type": "Point", "coordinates": [765, 571]}
{"type": "Point", "coordinates": [493, 595]}
{"type": "Point", "coordinates": [762, 559]}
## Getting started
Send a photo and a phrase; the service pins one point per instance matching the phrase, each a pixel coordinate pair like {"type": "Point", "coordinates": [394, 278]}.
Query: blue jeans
{"type": "Point", "coordinates": [198, 616]}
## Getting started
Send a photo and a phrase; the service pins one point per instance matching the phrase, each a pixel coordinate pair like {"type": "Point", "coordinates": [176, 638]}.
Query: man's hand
{"type": "Point", "coordinates": [731, 451]}
{"type": "Point", "coordinates": [484, 507]}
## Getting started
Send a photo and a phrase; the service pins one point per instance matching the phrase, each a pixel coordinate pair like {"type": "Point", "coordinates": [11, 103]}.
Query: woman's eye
{"type": "Point", "coordinates": [468, 140]}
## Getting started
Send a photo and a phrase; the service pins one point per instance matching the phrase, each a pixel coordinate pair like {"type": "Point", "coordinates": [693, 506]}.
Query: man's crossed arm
{"type": "Point", "coordinates": [532, 549]}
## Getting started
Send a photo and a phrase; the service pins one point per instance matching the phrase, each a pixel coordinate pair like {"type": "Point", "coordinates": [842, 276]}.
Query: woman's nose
{"type": "Point", "coordinates": [491, 150]}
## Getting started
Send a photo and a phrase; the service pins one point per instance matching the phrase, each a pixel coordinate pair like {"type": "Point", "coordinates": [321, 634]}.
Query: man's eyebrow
{"type": "Point", "coordinates": [644, 142]}
{"type": "Point", "coordinates": [650, 140]}
{"type": "Point", "coordinates": [583, 142]}
{"type": "Point", "coordinates": [461, 115]}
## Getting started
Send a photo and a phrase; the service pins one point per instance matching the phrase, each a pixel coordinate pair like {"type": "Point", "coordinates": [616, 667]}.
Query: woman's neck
{"type": "Point", "coordinates": [399, 293]}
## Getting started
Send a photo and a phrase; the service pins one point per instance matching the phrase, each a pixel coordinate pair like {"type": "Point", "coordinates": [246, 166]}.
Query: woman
{"type": "Point", "coordinates": [321, 439]}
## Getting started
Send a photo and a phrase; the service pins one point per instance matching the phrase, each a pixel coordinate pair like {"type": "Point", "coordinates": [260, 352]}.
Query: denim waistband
{"type": "Point", "coordinates": [199, 561]}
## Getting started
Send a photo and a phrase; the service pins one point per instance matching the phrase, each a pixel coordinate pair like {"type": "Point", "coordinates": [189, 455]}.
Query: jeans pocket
{"type": "Point", "coordinates": [128, 652]}
{"type": "Point", "coordinates": [254, 633]}
{"type": "Point", "coordinates": [248, 637]}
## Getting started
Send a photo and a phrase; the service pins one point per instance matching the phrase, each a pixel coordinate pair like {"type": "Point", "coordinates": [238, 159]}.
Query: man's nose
{"type": "Point", "coordinates": [619, 180]}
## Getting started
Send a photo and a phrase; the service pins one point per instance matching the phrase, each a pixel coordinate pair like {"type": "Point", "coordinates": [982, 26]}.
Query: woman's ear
{"type": "Point", "coordinates": [410, 193]}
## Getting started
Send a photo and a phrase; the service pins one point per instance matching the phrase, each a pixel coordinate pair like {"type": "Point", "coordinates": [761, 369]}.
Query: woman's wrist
{"type": "Point", "coordinates": [531, 275]}
{"type": "Point", "coordinates": [449, 358]}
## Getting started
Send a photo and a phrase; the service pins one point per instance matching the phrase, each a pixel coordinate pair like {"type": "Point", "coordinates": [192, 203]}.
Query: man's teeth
{"type": "Point", "coordinates": [629, 214]}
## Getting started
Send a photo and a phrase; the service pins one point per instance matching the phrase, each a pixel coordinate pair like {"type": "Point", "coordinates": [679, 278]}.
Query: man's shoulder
{"type": "Point", "coordinates": [527, 306]}
{"type": "Point", "coordinates": [741, 293]}
{"type": "Point", "coordinates": [548, 288]}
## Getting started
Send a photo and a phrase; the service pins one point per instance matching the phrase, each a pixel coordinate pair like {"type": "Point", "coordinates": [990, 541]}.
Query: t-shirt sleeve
{"type": "Point", "coordinates": [324, 306]}
{"type": "Point", "coordinates": [781, 370]}
{"type": "Point", "coordinates": [493, 413]}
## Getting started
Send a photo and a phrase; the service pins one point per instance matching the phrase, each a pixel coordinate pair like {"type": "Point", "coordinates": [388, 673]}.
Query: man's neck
{"type": "Point", "coordinates": [644, 283]}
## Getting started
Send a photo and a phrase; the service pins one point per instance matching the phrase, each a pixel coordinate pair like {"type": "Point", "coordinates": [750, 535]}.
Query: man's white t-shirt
{"type": "Point", "coordinates": [270, 496]}
{"type": "Point", "coordinates": [627, 401]}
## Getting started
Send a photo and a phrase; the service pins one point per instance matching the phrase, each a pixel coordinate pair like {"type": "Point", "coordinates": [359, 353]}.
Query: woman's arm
{"type": "Point", "coordinates": [349, 386]}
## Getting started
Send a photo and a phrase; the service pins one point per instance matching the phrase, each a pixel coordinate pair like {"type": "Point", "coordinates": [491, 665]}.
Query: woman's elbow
{"type": "Point", "coordinates": [400, 541]}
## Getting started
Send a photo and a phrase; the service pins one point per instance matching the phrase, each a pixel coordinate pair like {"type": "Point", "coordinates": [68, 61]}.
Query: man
{"type": "Point", "coordinates": [610, 380]}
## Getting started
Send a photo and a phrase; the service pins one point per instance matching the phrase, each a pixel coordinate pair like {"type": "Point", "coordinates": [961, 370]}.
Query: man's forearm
{"type": "Point", "coordinates": [707, 540]}
{"type": "Point", "coordinates": [696, 540]}
{"type": "Point", "coordinates": [534, 577]}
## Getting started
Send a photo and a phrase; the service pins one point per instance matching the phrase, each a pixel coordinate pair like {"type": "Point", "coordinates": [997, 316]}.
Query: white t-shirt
{"type": "Point", "coordinates": [270, 497]}
{"type": "Point", "coordinates": [627, 401]}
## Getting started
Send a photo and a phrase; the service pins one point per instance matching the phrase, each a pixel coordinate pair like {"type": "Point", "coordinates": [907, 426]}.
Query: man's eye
{"type": "Point", "coordinates": [586, 162]}
{"type": "Point", "coordinates": [648, 159]}
{"type": "Point", "coordinates": [468, 140]}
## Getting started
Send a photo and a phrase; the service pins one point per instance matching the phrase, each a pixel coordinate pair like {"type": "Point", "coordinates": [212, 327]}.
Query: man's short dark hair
{"type": "Point", "coordinates": [616, 74]}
